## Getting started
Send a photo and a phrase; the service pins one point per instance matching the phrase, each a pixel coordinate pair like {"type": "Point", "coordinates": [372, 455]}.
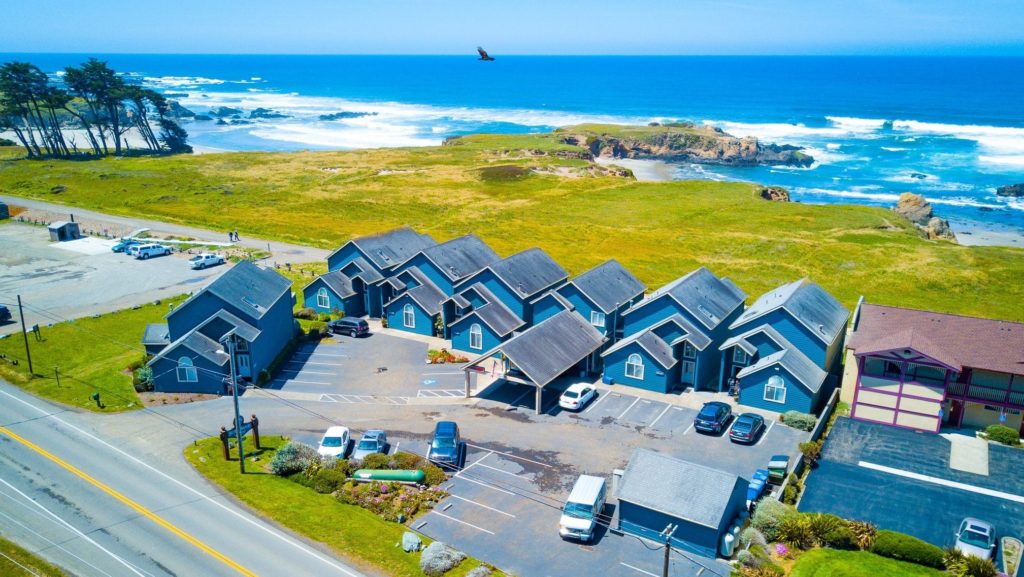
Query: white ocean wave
{"type": "Point", "coordinates": [366, 136]}
{"type": "Point", "coordinates": [998, 140]}
{"type": "Point", "coordinates": [892, 198]}
{"type": "Point", "coordinates": [833, 146]}
{"type": "Point", "coordinates": [894, 148]}
{"type": "Point", "coordinates": [193, 81]}
{"type": "Point", "coordinates": [856, 124]}
{"type": "Point", "coordinates": [911, 178]}
{"type": "Point", "coordinates": [1006, 160]}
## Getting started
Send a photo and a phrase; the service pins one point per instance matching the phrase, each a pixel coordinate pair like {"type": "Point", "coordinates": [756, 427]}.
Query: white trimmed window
{"type": "Point", "coordinates": [597, 318]}
{"type": "Point", "coordinates": [635, 366]}
{"type": "Point", "coordinates": [689, 352]}
{"type": "Point", "coordinates": [187, 371]}
{"type": "Point", "coordinates": [409, 316]}
{"type": "Point", "coordinates": [322, 300]}
{"type": "Point", "coordinates": [241, 345]}
{"type": "Point", "coordinates": [775, 389]}
{"type": "Point", "coordinates": [476, 337]}
{"type": "Point", "coordinates": [739, 356]}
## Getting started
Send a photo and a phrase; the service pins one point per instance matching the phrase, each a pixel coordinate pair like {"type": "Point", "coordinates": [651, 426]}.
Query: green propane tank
{"type": "Point", "coordinates": [400, 475]}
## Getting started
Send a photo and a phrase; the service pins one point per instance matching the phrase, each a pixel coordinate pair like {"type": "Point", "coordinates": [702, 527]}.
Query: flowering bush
{"type": "Point", "coordinates": [391, 501]}
{"type": "Point", "coordinates": [781, 550]}
{"type": "Point", "coordinates": [437, 357]}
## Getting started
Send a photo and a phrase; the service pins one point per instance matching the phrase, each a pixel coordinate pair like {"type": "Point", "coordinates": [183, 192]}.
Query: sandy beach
{"type": "Point", "coordinates": [643, 170]}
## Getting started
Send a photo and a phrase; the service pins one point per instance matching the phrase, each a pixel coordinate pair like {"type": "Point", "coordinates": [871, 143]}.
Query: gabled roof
{"type": "Point", "coordinates": [953, 340]}
{"type": "Point", "coordinates": [242, 328]}
{"type": "Point", "coordinates": [528, 272]}
{"type": "Point", "coordinates": [545, 351]}
{"type": "Point", "coordinates": [426, 293]}
{"type": "Point", "coordinates": [609, 285]}
{"type": "Point", "coordinates": [697, 337]}
{"type": "Point", "coordinates": [58, 224]}
{"type": "Point", "coordinates": [802, 368]}
{"type": "Point", "coordinates": [337, 281]}
{"type": "Point", "coordinates": [364, 271]}
{"type": "Point", "coordinates": [707, 297]}
{"type": "Point", "coordinates": [493, 312]}
{"type": "Point", "coordinates": [460, 257]}
{"type": "Point", "coordinates": [654, 345]}
{"type": "Point", "coordinates": [156, 334]}
{"type": "Point", "coordinates": [741, 341]}
{"type": "Point", "coordinates": [390, 248]}
{"type": "Point", "coordinates": [199, 344]}
{"type": "Point", "coordinates": [678, 488]}
{"type": "Point", "coordinates": [554, 294]}
{"type": "Point", "coordinates": [249, 288]}
{"type": "Point", "coordinates": [807, 302]}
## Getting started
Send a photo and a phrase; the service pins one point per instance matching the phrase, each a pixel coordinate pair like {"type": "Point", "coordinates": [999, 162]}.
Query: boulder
{"type": "Point", "coordinates": [345, 114]}
{"type": "Point", "coordinates": [914, 208]}
{"type": "Point", "coordinates": [438, 559]}
{"type": "Point", "coordinates": [775, 193]}
{"type": "Point", "coordinates": [411, 542]}
{"type": "Point", "coordinates": [1014, 190]}
{"type": "Point", "coordinates": [224, 111]}
{"type": "Point", "coordinates": [481, 571]}
{"type": "Point", "coordinates": [938, 229]}
{"type": "Point", "coordinates": [179, 111]}
{"type": "Point", "coordinates": [203, 117]}
{"type": "Point", "coordinates": [266, 113]}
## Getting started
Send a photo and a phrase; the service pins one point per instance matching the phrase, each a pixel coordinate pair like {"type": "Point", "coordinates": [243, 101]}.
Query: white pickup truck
{"type": "Point", "coordinates": [201, 261]}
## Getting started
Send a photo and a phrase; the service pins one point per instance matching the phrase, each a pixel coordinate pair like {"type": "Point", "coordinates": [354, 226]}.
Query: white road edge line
{"type": "Point", "coordinates": [237, 514]}
{"type": "Point", "coordinates": [942, 482]}
{"type": "Point", "coordinates": [509, 455]}
{"type": "Point", "coordinates": [436, 512]}
{"type": "Point", "coordinates": [658, 418]}
{"type": "Point", "coordinates": [481, 505]}
{"type": "Point", "coordinates": [637, 569]}
{"type": "Point", "coordinates": [635, 401]}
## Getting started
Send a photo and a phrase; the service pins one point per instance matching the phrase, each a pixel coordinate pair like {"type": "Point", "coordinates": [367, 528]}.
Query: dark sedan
{"type": "Point", "coordinates": [713, 417]}
{"type": "Point", "coordinates": [747, 428]}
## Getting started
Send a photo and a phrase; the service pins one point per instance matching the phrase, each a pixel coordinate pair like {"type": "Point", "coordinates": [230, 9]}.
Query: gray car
{"type": "Point", "coordinates": [372, 442]}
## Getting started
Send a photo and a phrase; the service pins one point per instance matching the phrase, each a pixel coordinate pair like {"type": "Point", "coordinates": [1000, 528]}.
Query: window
{"type": "Point", "coordinates": [597, 319]}
{"type": "Point", "coordinates": [241, 346]}
{"type": "Point", "coordinates": [476, 337]}
{"type": "Point", "coordinates": [635, 367]}
{"type": "Point", "coordinates": [892, 370]}
{"type": "Point", "coordinates": [186, 371]}
{"type": "Point", "coordinates": [409, 316]}
{"type": "Point", "coordinates": [322, 300]}
{"type": "Point", "coordinates": [739, 356]}
{"type": "Point", "coordinates": [775, 389]}
{"type": "Point", "coordinates": [689, 352]}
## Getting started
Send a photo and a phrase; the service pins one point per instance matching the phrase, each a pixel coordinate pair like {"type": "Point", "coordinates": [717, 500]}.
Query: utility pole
{"type": "Point", "coordinates": [230, 341]}
{"type": "Point", "coordinates": [667, 534]}
{"type": "Point", "coordinates": [24, 333]}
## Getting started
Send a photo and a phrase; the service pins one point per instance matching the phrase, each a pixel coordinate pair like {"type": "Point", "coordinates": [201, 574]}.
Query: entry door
{"type": "Point", "coordinates": [688, 370]}
{"type": "Point", "coordinates": [242, 364]}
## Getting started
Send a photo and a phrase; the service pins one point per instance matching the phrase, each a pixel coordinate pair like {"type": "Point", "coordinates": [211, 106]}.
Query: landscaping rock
{"type": "Point", "coordinates": [775, 193]}
{"type": "Point", "coordinates": [411, 542]}
{"type": "Point", "coordinates": [438, 559]}
{"type": "Point", "coordinates": [481, 571]}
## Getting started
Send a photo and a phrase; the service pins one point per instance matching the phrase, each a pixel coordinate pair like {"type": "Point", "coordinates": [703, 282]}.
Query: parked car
{"type": "Point", "coordinates": [352, 327]}
{"type": "Point", "coordinates": [5, 314]}
{"type": "Point", "coordinates": [582, 509]}
{"type": "Point", "coordinates": [201, 261]}
{"type": "Point", "coordinates": [713, 417]}
{"type": "Point", "coordinates": [446, 448]}
{"type": "Point", "coordinates": [372, 442]}
{"type": "Point", "coordinates": [334, 442]}
{"type": "Point", "coordinates": [147, 250]}
{"type": "Point", "coordinates": [124, 244]}
{"type": "Point", "coordinates": [133, 249]}
{"type": "Point", "coordinates": [976, 537]}
{"type": "Point", "coordinates": [747, 428]}
{"type": "Point", "coordinates": [577, 396]}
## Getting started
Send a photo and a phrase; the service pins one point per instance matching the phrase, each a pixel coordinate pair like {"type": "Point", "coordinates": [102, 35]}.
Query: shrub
{"type": "Point", "coordinates": [811, 450]}
{"type": "Point", "coordinates": [768, 515]}
{"type": "Point", "coordinates": [481, 571]}
{"type": "Point", "coordinates": [960, 565]}
{"type": "Point", "coordinates": [317, 329]}
{"type": "Point", "coordinates": [767, 570]}
{"type": "Point", "coordinates": [323, 317]}
{"type": "Point", "coordinates": [338, 313]}
{"type": "Point", "coordinates": [308, 314]}
{"type": "Point", "coordinates": [434, 475]}
{"type": "Point", "coordinates": [798, 420]}
{"type": "Point", "coordinates": [797, 532]}
{"type": "Point", "coordinates": [392, 501]}
{"type": "Point", "coordinates": [327, 480]}
{"type": "Point", "coordinates": [142, 379]}
{"type": "Point", "coordinates": [376, 461]}
{"type": "Point", "coordinates": [438, 559]}
{"type": "Point", "coordinates": [1003, 434]}
{"type": "Point", "coordinates": [402, 460]}
{"type": "Point", "coordinates": [864, 533]}
{"type": "Point", "coordinates": [906, 548]}
{"type": "Point", "coordinates": [746, 558]}
{"type": "Point", "coordinates": [293, 458]}
{"type": "Point", "coordinates": [751, 537]}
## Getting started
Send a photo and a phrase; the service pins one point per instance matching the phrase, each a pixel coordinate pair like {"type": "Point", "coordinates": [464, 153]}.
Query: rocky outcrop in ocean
{"type": "Point", "coordinates": [266, 113]}
{"type": "Point", "coordinates": [917, 210]}
{"type": "Point", "coordinates": [1014, 190]}
{"type": "Point", "coordinates": [345, 115]}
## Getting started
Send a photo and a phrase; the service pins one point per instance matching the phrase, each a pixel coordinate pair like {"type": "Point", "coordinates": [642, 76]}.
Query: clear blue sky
{"type": "Point", "coordinates": [517, 26]}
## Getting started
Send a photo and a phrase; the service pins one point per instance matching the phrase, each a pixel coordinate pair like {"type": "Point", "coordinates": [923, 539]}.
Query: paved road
{"type": "Point", "coordinates": [128, 508]}
{"type": "Point", "coordinates": [282, 252]}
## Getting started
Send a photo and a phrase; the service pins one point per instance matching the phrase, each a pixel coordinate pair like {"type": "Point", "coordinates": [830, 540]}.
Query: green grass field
{"type": "Point", "coordinates": [660, 231]}
{"type": "Point", "coordinates": [15, 561]}
{"type": "Point", "coordinates": [835, 563]}
{"type": "Point", "coordinates": [352, 531]}
{"type": "Point", "coordinates": [91, 355]}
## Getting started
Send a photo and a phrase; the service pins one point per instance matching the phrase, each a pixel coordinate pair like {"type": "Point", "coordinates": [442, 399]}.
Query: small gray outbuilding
{"type": "Point", "coordinates": [4, 212]}
{"type": "Point", "coordinates": [63, 230]}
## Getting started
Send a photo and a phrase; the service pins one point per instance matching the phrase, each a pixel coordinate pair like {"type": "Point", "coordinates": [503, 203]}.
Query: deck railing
{"type": "Point", "coordinates": [983, 394]}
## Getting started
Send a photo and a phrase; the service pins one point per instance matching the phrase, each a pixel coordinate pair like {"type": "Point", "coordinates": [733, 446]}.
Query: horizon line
{"type": "Point", "coordinates": [545, 55]}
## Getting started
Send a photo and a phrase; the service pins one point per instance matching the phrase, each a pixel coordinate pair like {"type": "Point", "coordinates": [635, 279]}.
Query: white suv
{"type": "Point", "coordinates": [201, 261]}
{"type": "Point", "coordinates": [147, 250]}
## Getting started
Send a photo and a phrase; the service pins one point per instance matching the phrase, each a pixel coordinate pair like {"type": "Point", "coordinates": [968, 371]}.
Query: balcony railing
{"type": "Point", "coordinates": [984, 394]}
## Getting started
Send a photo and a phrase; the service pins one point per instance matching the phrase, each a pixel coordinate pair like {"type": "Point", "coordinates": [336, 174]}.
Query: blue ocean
{"type": "Point", "coordinates": [949, 128]}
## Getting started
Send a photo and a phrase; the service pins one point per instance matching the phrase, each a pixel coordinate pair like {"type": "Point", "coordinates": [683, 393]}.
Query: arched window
{"type": "Point", "coordinates": [775, 389]}
{"type": "Point", "coordinates": [409, 316]}
{"type": "Point", "coordinates": [476, 336]}
{"type": "Point", "coordinates": [186, 371]}
{"type": "Point", "coordinates": [635, 366]}
{"type": "Point", "coordinates": [322, 300]}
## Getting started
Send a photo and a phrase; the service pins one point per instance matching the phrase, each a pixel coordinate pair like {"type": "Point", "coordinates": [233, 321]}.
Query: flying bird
{"type": "Point", "coordinates": [483, 55]}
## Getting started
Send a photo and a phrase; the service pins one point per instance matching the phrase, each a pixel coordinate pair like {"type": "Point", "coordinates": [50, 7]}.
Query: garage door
{"type": "Point", "coordinates": [913, 406]}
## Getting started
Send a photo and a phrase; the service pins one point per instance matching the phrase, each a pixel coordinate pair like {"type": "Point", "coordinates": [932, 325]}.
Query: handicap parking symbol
{"type": "Point", "coordinates": [429, 382]}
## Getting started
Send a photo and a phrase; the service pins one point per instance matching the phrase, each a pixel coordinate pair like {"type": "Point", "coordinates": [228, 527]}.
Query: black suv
{"type": "Point", "coordinates": [352, 327]}
{"type": "Point", "coordinates": [713, 417]}
{"type": "Point", "coordinates": [5, 314]}
{"type": "Point", "coordinates": [446, 448]}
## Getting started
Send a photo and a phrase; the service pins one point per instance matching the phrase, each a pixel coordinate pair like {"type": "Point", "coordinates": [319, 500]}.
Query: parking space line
{"type": "Point", "coordinates": [297, 371]}
{"type": "Point", "coordinates": [314, 353]}
{"type": "Point", "coordinates": [594, 404]}
{"type": "Point", "coordinates": [517, 475]}
{"type": "Point", "coordinates": [635, 401]}
{"type": "Point", "coordinates": [638, 569]}
{"type": "Point", "coordinates": [765, 433]}
{"type": "Point", "coordinates": [455, 373]}
{"type": "Point", "coordinates": [660, 416]}
{"type": "Point", "coordinates": [688, 429]}
{"type": "Point", "coordinates": [328, 398]}
{"type": "Point", "coordinates": [361, 397]}
{"type": "Point", "coordinates": [508, 455]}
{"type": "Point", "coordinates": [520, 397]}
{"type": "Point", "coordinates": [291, 380]}
{"type": "Point", "coordinates": [314, 363]}
{"type": "Point", "coordinates": [481, 505]}
{"type": "Point", "coordinates": [436, 512]}
{"type": "Point", "coordinates": [482, 484]}
{"type": "Point", "coordinates": [942, 482]}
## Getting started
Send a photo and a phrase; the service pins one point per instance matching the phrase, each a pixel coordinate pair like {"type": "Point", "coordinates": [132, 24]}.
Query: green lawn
{"type": "Point", "coordinates": [835, 563]}
{"type": "Point", "coordinates": [91, 355]}
{"type": "Point", "coordinates": [17, 561]}
{"type": "Point", "coordinates": [353, 532]}
{"type": "Point", "coordinates": [659, 231]}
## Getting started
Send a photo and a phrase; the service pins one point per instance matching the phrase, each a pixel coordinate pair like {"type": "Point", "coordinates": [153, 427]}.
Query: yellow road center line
{"type": "Point", "coordinates": [132, 504]}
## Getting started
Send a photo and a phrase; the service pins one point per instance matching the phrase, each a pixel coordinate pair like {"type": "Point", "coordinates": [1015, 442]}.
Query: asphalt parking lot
{"type": "Point", "coordinates": [71, 284]}
{"type": "Point", "coordinates": [864, 464]}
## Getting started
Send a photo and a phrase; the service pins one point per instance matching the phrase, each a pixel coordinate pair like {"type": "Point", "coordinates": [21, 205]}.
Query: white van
{"type": "Point", "coordinates": [582, 511]}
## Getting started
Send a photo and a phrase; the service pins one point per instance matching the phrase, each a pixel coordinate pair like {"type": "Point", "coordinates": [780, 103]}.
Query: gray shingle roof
{"type": "Point", "coordinates": [337, 281]}
{"type": "Point", "coordinates": [393, 247]}
{"type": "Point", "coordinates": [608, 285]}
{"type": "Point", "coordinates": [807, 302]}
{"type": "Point", "coordinates": [242, 328]}
{"type": "Point", "coordinates": [426, 294]}
{"type": "Point", "coordinates": [802, 368]}
{"type": "Point", "coordinates": [545, 351]}
{"type": "Point", "coordinates": [528, 272]}
{"type": "Point", "coordinates": [156, 334]}
{"type": "Point", "coordinates": [462, 256]}
{"type": "Point", "coordinates": [655, 346]}
{"type": "Point", "coordinates": [249, 288]}
{"type": "Point", "coordinates": [554, 294]}
{"type": "Point", "coordinates": [200, 346]}
{"type": "Point", "coordinates": [707, 297]}
{"type": "Point", "coordinates": [741, 341]}
{"type": "Point", "coordinates": [696, 335]}
{"type": "Point", "coordinates": [359, 268]}
{"type": "Point", "coordinates": [493, 313]}
{"type": "Point", "coordinates": [678, 488]}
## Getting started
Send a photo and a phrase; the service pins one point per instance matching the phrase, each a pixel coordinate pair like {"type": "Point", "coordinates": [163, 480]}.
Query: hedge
{"type": "Point", "coordinates": [906, 548]}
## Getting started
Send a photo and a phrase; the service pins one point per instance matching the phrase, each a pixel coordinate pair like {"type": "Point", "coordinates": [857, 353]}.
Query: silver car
{"type": "Point", "coordinates": [976, 537]}
{"type": "Point", "coordinates": [372, 442]}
